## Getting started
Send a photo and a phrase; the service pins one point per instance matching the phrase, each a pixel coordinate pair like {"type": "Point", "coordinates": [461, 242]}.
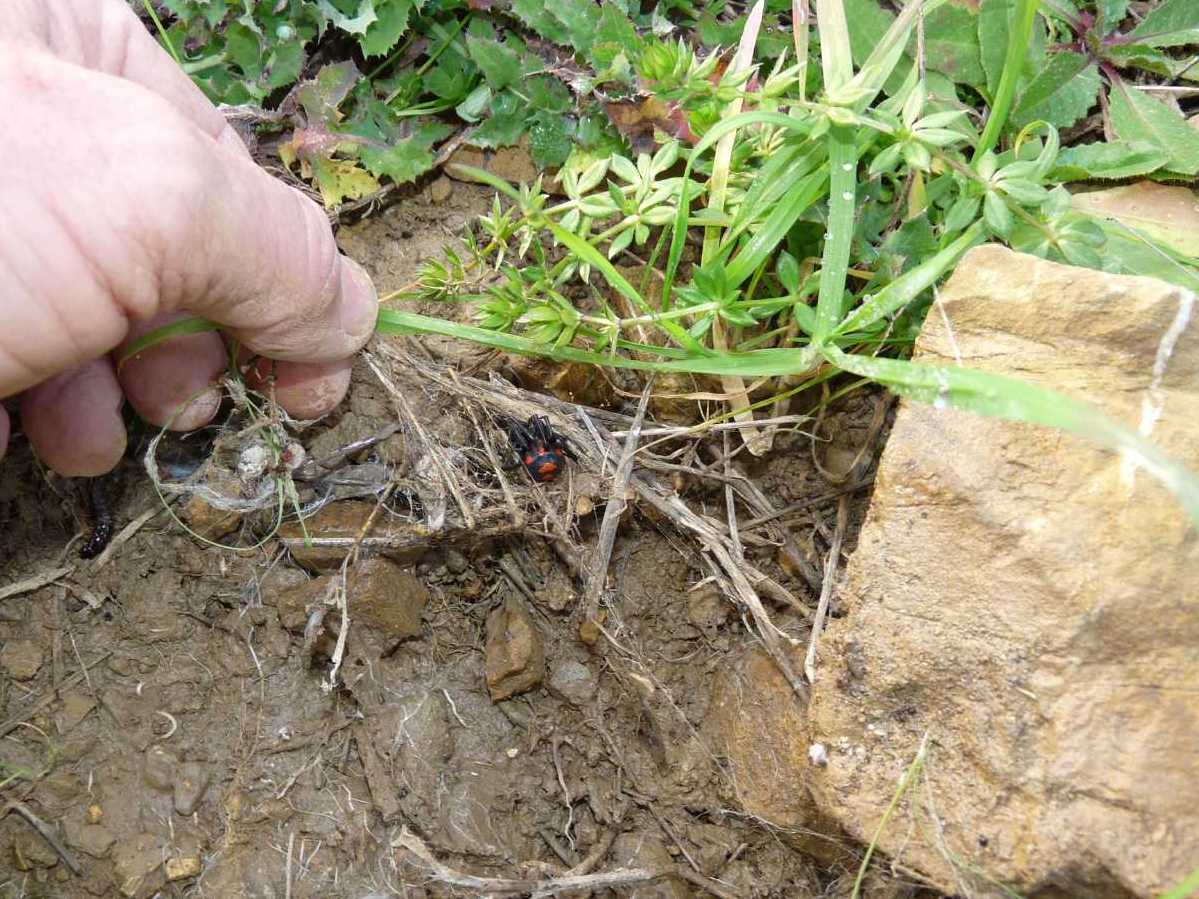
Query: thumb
{"type": "Point", "coordinates": [264, 264]}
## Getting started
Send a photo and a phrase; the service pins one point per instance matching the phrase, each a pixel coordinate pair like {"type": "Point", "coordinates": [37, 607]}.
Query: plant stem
{"type": "Point", "coordinates": [1013, 64]}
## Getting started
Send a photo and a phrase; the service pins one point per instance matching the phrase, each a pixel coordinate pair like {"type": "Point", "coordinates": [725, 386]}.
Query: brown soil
{"type": "Point", "coordinates": [166, 704]}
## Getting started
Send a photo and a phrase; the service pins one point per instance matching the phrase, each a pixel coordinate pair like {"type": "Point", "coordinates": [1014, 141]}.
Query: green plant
{"type": "Point", "coordinates": [836, 216]}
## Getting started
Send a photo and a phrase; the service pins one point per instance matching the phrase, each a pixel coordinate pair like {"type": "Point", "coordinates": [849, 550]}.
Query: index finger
{"type": "Point", "coordinates": [106, 36]}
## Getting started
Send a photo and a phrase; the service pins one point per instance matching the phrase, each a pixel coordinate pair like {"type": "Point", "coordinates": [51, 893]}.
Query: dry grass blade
{"type": "Point", "coordinates": [758, 442]}
{"type": "Point", "coordinates": [826, 590]}
{"type": "Point", "coordinates": [617, 503]}
{"type": "Point", "coordinates": [34, 583]}
{"type": "Point", "coordinates": [49, 836]}
{"type": "Point", "coordinates": [542, 889]}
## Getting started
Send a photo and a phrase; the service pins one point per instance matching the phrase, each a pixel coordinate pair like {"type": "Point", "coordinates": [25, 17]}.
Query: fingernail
{"type": "Point", "coordinates": [359, 301]}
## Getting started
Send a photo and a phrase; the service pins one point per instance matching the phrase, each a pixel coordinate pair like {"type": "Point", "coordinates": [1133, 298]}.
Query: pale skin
{"type": "Point", "coordinates": [126, 201]}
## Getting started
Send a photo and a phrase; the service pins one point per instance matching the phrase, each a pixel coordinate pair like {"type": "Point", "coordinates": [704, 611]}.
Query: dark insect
{"type": "Point", "coordinates": [102, 518]}
{"type": "Point", "coordinates": [542, 452]}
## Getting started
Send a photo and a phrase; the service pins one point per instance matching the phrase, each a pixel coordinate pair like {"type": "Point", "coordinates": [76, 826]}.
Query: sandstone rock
{"type": "Point", "coordinates": [440, 190]}
{"type": "Point", "coordinates": [755, 721]}
{"type": "Point", "coordinates": [514, 164]}
{"type": "Point", "coordinates": [182, 867]}
{"type": "Point", "coordinates": [515, 653]}
{"type": "Point", "coordinates": [207, 520]}
{"type": "Point", "coordinates": [93, 838]}
{"type": "Point", "coordinates": [1030, 603]}
{"type": "Point", "coordinates": [21, 659]}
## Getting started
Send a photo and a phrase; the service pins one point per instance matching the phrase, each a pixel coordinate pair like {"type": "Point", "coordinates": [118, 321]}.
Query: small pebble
{"type": "Point", "coordinates": [455, 561]}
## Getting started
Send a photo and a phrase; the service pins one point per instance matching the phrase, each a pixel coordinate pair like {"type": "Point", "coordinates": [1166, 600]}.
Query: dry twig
{"type": "Point", "coordinates": [617, 503]}
{"type": "Point", "coordinates": [826, 589]}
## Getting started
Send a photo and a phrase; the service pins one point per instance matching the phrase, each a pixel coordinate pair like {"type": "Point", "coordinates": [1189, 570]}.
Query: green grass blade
{"type": "Point", "coordinates": [162, 32]}
{"type": "Point", "coordinates": [909, 776]}
{"type": "Point", "coordinates": [773, 362]}
{"type": "Point", "coordinates": [1185, 890]}
{"type": "Point", "coordinates": [725, 126]}
{"type": "Point", "coordinates": [885, 56]}
{"type": "Point", "coordinates": [911, 284]}
{"type": "Point", "coordinates": [179, 328]}
{"type": "Point", "coordinates": [785, 213]}
{"type": "Point", "coordinates": [468, 172]}
{"type": "Point", "coordinates": [835, 57]}
{"type": "Point", "coordinates": [796, 160]}
{"type": "Point", "coordinates": [997, 396]}
{"type": "Point", "coordinates": [834, 263]}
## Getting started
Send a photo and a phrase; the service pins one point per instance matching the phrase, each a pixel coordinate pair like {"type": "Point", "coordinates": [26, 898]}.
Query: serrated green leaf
{"type": "Point", "coordinates": [321, 96]}
{"type": "Point", "coordinates": [506, 123]}
{"type": "Point", "coordinates": [405, 161]}
{"type": "Point", "coordinates": [499, 63]}
{"type": "Point", "coordinates": [1108, 161]}
{"type": "Point", "coordinates": [387, 29]}
{"type": "Point", "coordinates": [536, 14]}
{"type": "Point", "coordinates": [1144, 57]}
{"type": "Point", "coordinates": [347, 23]}
{"type": "Point", "coordinates": [549, 141]}
{"type": "Point", "coordinates": [547, 94]}
{"type": "Point", "coordinates": [341, 179]}
{"type": "Point", "coordinates": [1138, 117]}
{"type": "Point", "coordinates": [951, 44]}
{"type": "Point", "coordinates": [1173, 24]}
{"type": "Point", "coordinates": [450, 79]}
{"type": "Point", "coordinates": [285, 64]}
{"type": "Point", "coordinates": [615, 28]}
{"type": "Point", "coordinates": [243, 48]}
{"type": "Point", "coordinates": [580, 19]}
{"type": "Point", "coordinates": [1061, 94]}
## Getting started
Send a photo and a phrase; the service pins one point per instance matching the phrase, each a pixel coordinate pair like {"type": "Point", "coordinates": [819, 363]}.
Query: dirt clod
{"type": "Point", "coordinates": [515, 652]}
{"type": "Point", "coordinates": [573, 681]}
{"type": "Point", "coordinates": [138, 863]}
{"type": "Point", "coordinates": [21, 659]}
{"type": "Point", "coordinates": [190, 783]}
{"type": "Point", "coordinates": [160, 768]}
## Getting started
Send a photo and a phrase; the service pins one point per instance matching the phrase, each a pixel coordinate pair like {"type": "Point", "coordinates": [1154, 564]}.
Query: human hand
{"type": "Point", "coordinates": [129, 202]}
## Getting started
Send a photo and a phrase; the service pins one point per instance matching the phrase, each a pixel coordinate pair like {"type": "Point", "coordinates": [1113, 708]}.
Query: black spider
{"type": "Point", "coordinates": [542, 452]}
